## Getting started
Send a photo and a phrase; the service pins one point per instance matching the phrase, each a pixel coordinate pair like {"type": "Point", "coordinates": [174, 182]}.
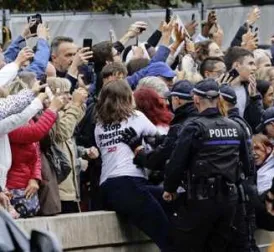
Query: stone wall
{"type": "Point", "coordinates": [104, 232]}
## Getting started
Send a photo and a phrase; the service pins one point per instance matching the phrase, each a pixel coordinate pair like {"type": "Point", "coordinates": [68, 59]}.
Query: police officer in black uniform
{"type": "Point", "coordinates": [244, 226]}
{"type": "Point", "coordinates": [206, 158]}
{"type": "Point", "coordinates": [184, 109]}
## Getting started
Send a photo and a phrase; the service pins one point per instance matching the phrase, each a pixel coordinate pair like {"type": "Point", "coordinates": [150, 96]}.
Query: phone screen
{"type": "Point", "coordinates": [168, 14]}
{"type": "Point", "coordinates": [87, 43]}
{"type": "Point", "coordinates": [43, 79]}
{"type": "Point", "coordinates": [37, 19]}
{"type": "Point", "coordinates": [233, 73]}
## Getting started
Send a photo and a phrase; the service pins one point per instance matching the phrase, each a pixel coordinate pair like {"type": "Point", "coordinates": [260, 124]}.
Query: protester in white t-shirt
{"type": "Point", "coordinates": [124, 186]}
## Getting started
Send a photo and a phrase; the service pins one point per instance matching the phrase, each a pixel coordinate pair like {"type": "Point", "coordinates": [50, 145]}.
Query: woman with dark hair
{"type": "Point", "coordinates": [267, 91]}
{"type": "Point", "coordinates": [206, 49]}
{"type": "Point", "coordinates": [123, 185]}
{"type": "Point", "coordinates": [154, 107]}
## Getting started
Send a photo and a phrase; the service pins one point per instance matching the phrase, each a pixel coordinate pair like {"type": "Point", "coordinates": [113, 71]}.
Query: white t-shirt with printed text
{"type": "Point", "coordinates": [117, 157]}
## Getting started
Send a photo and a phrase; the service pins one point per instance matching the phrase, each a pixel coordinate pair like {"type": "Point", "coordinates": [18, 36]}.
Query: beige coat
{"type": "Point", "coordinates": [64, 129]}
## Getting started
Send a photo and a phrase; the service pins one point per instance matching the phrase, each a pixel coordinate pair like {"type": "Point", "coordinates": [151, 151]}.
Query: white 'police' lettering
{"type": "Point", "coordinates": [223, 133]}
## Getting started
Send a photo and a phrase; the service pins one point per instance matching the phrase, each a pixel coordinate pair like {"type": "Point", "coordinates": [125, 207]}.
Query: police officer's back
{"type": "Point", "coordinates": [207, 159]}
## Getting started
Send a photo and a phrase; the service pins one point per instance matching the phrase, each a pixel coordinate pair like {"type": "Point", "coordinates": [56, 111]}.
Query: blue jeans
{"type": "Point", "coordinates": [133, 198]}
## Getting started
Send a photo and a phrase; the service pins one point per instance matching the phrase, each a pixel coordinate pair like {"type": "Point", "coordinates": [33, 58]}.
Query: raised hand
{"type": "Point", "coordinates": [253, 15]}
{"type": "Point", "coordinates": [23, 56]}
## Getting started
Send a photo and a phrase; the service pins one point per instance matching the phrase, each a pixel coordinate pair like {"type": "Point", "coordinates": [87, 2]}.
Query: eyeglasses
{"type": "Point", "coordinates": [218, 71]}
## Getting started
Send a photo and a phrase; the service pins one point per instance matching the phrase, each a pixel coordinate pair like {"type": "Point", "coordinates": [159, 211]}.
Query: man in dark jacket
{"type": "Point", "coordinates": [183, 107]}
{"type": "Point", "coordinates": [206, 158]}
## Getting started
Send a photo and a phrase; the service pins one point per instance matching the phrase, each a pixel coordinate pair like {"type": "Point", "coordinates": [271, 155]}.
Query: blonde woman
{"type": "Point", "coordinates": [62, 134]}
{"type": "Point", "coordinates": [266, 74]}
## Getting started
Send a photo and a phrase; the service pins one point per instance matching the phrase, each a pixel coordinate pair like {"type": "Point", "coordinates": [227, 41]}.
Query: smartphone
{"type": "Point", "coordinates": [193, 17]}
{"type": "Point", "coordinates": [87, 43]}
{"type": "Point", "coordinates": [169, 14]}
{"type": "Point", "coordinates": [38, 20]}
{"type": "Point", "coordinates": [43, 79]}
{"type": "Point", "coordinates": [233, 73]}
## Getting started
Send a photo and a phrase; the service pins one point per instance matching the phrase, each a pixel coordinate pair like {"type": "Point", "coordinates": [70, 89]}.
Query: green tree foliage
{"type": "Point", "coordinates": [111, 6]}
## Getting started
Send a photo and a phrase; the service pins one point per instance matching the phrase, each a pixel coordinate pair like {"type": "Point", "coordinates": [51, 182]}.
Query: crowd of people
{"type": "Point", "coordinates": [174, 133]}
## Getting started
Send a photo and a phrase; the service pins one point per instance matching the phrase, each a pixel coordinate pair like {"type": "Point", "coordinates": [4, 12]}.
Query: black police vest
{"type": "Point", "coordinates": [217, 150]}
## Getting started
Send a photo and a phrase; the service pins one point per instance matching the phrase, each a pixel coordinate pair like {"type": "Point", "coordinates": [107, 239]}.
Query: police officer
{"type": "Point", "coordinates": [244, 224]}
{"type": "Point", "coordinates": [184, 109]}
{"type": "Point", "coordinates": [206, 158]}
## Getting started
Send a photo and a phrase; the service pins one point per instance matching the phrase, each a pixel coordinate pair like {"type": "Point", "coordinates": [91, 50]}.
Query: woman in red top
{"type": "Point", "coordinates": [25, 172]}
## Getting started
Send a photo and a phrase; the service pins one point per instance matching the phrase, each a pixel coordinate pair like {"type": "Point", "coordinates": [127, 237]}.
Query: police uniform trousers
{"type": "Point", "coordinates": [204, 225]}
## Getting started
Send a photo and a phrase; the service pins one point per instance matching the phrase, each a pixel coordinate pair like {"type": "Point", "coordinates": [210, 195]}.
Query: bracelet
{"type": "Point", "coordinates": [138, 149]}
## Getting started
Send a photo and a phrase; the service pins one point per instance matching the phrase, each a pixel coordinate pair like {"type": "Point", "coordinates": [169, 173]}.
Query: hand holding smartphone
{"type": "Point", "coordinates": [88, 43]}
{"type": "Point", "coordinates": [230, 76]}
{"type": "Point", "coordinates": [35, 20]}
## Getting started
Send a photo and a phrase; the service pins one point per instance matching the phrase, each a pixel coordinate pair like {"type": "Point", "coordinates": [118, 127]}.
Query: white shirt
{"type": "Point", "coordinates": [117, 157]}
{"type": "Point", "coordinates": [241, 99]}
{"type": "Point", "coordinates": [8, 73]}
{"type": "Point", "coordinates": [265, 175]}
{"type": "Point", "coordinates": [162, 130]}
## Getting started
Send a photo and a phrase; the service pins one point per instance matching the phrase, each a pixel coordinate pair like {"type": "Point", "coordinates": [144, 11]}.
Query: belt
{"type": "Point", "coordinates": [213, 188]}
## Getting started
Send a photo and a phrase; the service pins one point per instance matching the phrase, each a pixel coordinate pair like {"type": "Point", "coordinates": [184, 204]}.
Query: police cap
{"type": "Point", "coordinates": [228, 94]}
{"type": "Point", "coordinates": [267, 117]}
{"type": "Point", "coordinates": [182, 89]}
{"type": "Point", "coordinates": [207, 88]}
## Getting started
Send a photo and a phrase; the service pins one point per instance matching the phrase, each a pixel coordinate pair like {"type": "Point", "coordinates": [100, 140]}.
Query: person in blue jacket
{"type": "Point", "coordinates": [42, 54]}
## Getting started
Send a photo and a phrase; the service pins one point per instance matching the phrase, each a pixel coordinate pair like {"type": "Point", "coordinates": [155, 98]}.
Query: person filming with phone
{"type": "Point", "coordinates": [249, 101]}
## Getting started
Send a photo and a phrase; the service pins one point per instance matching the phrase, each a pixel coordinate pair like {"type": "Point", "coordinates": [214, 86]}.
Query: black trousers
{"type": "Point", "coordinates": [69, 207]}
{"type": "Point", "coordinates": [136, 201]}
{"type": "Point", "coordinates": [204, 225]}
{"type": "Point", "coordinates": [242, 239]}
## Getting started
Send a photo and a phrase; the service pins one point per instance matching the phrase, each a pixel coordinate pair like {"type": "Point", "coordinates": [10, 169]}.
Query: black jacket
{"type": "Point", "coordinates": [237, 40]}
{"type": "Point", "coordinates": [254, 109]}
{"type": "Point", "coordinates": [156, 159]}
{"type": "Point", "coordinates": [188, 146]}
{"type": "Point", "coordinates": [84, 135]}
